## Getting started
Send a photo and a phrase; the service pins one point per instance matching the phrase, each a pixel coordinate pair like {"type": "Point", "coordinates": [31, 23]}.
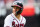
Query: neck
{"type": "Point", "coordinates": [18, 16]}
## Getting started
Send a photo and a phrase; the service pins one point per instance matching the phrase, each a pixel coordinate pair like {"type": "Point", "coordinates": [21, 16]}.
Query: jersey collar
{"type": "Point", "coordinates": [16, 18]}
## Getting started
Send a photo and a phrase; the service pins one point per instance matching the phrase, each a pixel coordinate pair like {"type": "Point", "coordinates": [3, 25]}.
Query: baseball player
{"type": "Point", "coordinates": [15, 19]}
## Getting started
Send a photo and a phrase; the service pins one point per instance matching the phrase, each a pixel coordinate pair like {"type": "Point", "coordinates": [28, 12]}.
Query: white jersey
{"type": "Point", "coordinates": [12, 21]}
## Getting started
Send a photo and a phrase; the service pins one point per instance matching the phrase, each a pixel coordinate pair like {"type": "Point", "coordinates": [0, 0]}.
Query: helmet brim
{"type": "Point", "coordinates": [16, 6]}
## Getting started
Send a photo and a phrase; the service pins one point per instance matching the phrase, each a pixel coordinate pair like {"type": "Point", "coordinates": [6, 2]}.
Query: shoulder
{"type": "Point", "coordinates": [23, 18]}
{"type": "Point", "coordinates": [8, 21]}
{"type": "Point", "coordinates": [9, 17]}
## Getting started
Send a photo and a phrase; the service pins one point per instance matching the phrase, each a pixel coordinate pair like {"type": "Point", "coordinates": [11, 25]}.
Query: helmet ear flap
{"type": "Point", "coordinates": [21, 9]}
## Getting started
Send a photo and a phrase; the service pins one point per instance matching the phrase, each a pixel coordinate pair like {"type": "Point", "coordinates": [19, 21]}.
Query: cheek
{"type": "Point", "coordinates": [17, 9]}
{"type": "Point", "coordinates": [13, 10]}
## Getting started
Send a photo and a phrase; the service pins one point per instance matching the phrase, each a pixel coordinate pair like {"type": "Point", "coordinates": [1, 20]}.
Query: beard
{"type": "Point", "coordinates": [16, 13]}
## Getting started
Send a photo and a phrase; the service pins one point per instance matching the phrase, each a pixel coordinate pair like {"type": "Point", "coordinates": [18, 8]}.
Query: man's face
{"type": "Point", "coordinates": [15, 9]}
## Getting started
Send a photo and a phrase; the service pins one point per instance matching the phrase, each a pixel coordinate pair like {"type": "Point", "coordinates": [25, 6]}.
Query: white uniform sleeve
{"type": "Point", "coordinates": [7, 22]}
{"type": "Point", "coordinates": [24, 21]}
